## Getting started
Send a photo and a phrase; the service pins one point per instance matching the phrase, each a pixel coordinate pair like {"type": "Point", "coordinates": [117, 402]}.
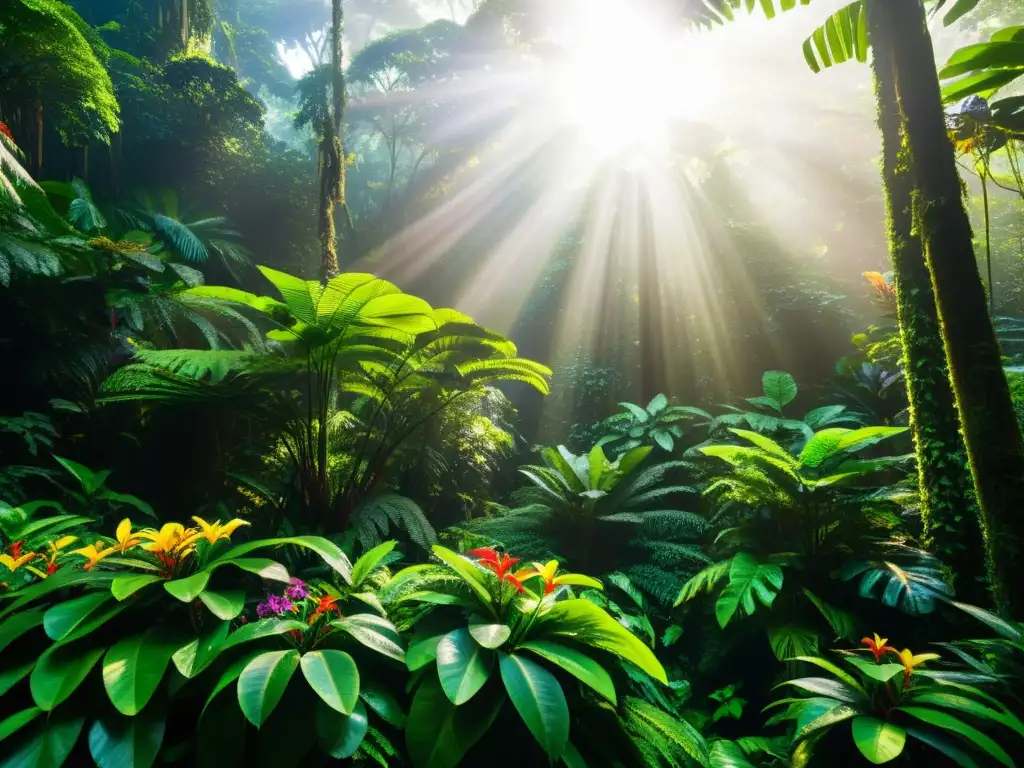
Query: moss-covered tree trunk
{"type": "Point", "coordinates": [991, 433]}
{"type": "Point", "coordinates": [949, 513]}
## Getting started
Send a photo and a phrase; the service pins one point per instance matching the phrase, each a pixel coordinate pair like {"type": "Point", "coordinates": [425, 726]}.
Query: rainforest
{"type": "Point", "coordinates": [583, 383]}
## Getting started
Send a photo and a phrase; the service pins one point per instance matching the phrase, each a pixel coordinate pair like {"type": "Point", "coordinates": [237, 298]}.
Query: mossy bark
{"type": "Point", "coordinates": [949, 512]}
{"type": "Point", "coordinates": [992, 437]}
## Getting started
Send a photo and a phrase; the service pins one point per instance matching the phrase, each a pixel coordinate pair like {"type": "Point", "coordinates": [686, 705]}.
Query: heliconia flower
{"type": "Point", "coordinates": [15, 548]}
{"type": "Point", "coordinates": [14, 563]}
{"type": "Point", "coordinates": [297, 589]}
{"type": "Point", "coordinates": [547, 573]}
{"type": "Point", "coordinates": [910, 661]}
{"type": "Point", "coordinates": [877, 646]}
{"type": "Point", "coordinates": [490, 558]}
{"type": "Point", "coordinates": [55, 548]}
{"type": "Point", "coordinates": [125, 538]}
{"type": "Point", "coordinates": [214, 531]}
{"type": "Point", "coordinates": [94, 553]}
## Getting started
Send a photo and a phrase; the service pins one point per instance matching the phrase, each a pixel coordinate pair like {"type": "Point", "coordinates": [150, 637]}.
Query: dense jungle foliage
{"type": "Point", "coordinates": [430, 383]}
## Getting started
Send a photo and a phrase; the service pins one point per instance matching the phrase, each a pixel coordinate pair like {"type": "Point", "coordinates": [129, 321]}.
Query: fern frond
{"type": "Point", "coordinates": [375, 518]}
{"type": "Point", "coordinates": [675, 740]}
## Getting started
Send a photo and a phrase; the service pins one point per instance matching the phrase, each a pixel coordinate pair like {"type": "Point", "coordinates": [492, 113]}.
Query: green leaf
{"type": "Point", "coordinates": [779, 386]}
{"type": "Point", "coordinates": [193, 658]}
{"type": "Point", "coordinates": [124, 587]}
{"type": "Point", "coordinates": [470, 573]}
{"type": "Point", "coordinates": [636, 411]}
{"type": "Point", "coordinates": [438, 734]}
{"type": "Point", "coordinates": [878, 740]}
{"type": "Point", "coordinates": [540, 701]}
{"type": "Point", "coordinates": [588, 624]}
{"type": "Point", "coordinates": [262, 683]}
{"type": "Point", "coordinates": [59, 672]}
{"type": "Point", "coordinates": [18, 625]}
{"type": "Point", "coordinates": [421, 652]}
{"type": "Point", "coordinates": [224, 605]}
{"type": "Point", "coordinates": [971, 707]}
{"type": "Point", "coordinates": [883, 673]}
{"type": "Point", "coordinates": [188, 589]}
{"type": "Point", "coordinates": [230, 675]}
{"type": "Point", "coordinates": [836, 714]}
{"type": "Point", "coordinates": [328, 551]}
{"type": "Point", "coordinates": [134, 667]}
{"type": "Point", "coordinates": [335, 678]}
{"type": "Point", "coordinates": [490, 635]}
{"type": "Point", "coordinates": [50, 744]}
{"type": "Point", "coordinates": [463, 666]}
{"type": "Point", "coordinates": [572, 757]}
{"type": "Point", "coordinates": [374, 632]}
{"type": "Point", "coordinates": [576, 663]}
{"type": "Point", "coordinates": [960, 728]}
{"type": "Point", "coordinates": [11, 676]}
{"type": "Point", "coordinates": [64, 618]}
{"type": "Point", "coordinates": [704, 581]}
{"type": "Point", "coordinates": [340, 735]}
{"type": "Point", "coordinates": [368, 563]}
{"type": "Point", "coordinates": [126, 742]}
{"type": "Point", "coordinates": [842, 622]}
{"type": "Point", "coordinates": [383, 703]}
{"type": "Point", "coordinates": [259, 629]}
{"type": "Point", "coordinates": [17, 721]}
{"type": "Point", "coordinates": [788, 640]}
{"type": "Point", "coordinates": [747, 578]}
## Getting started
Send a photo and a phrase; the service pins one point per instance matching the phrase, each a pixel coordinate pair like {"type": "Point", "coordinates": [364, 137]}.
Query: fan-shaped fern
{"type": "Point", "coordinates": [374, 520]}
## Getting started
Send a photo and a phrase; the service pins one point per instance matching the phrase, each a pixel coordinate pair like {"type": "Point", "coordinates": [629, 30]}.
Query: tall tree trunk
{"type": "Point", "coordinates": [330, 158]}
{"type": "Point", "coordinates": [949, 512]}
{"type": "Point", "coordinates": [340, 104]}
{"type": "Point", "coordinates": [991, 433]}
{"type": "Point", "coordinates": [183, 13]}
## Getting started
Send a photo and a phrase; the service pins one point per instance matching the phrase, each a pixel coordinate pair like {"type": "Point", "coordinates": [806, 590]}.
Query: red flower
{"type": "Point", "coordinates": [6, 131]}
{"type": "Point", "coordinates": [16, 546]}
{"type": "Point", "coordinates": [52, 568]}
{"type": "Point", "coordinates": [327, 604]}
{"type": "Point", "coordinates": [878, 646]}
{"type": "Point", "coordinates": [495, 561]}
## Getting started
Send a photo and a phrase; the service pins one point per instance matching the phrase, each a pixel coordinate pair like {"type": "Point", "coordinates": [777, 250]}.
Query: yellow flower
{"type": "Point", "coordinates": [55, 548]}
{"type": "Point", "coordinates": [125, 538]}
{"type": "Point", "coordinates": [910, 661]}
{"type": "Point", "coordinates": [14, 563]}
{"type": "Point", "coordinates": [214, 531]}
{"type": "Point", "coordinates": [94, 553]}
{"type": "Point", "coordinates": [170, 544]}
{"type": "Point", "coordinates": [547, 574]}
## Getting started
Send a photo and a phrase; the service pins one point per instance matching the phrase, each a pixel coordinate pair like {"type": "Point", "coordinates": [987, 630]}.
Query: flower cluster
{"type": "Point", "coordinates": [501, 564]}
{"type": "Point", "coordinates": [170, 545]}
{"type": "Point", "coordinates": [878, 646]}
{"type": "Point", "coordinates": [302, 601]}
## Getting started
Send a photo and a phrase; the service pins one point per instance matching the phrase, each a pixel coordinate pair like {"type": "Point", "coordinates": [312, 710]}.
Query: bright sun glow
{"type": "Point", "coordinates": [626, 80]}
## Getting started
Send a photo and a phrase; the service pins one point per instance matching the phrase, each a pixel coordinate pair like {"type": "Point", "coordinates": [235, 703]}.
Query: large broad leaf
{"type": "Point", "coordinates": [64, 618]}
{"type": "Point", "coordinates": [438, 734]}
{"type": "Point", "coordinates": [422, 651]}
{"type": "Point", "coordinates": [374, 632]}
{"type": "Point", "coordinates": [134, 666]}
{"type": "Point", "coordinates": [328, 551]}
{"type": "Point", "coordinates": [225, 605]}
{"type": "Point", "coordinates": [49, 745]}
{"type": "Point", "coordinates": [883, 673]}
{"type": "Point", "coordinates": [127, 742]}
{"type": "Point", "coordinates": [540, 701]}
{"type": "Point", "coordinates": [340, 735]}
{"type": "Point", "coordinates": [192, 658]}
{"type": "Point", "coordinates": [588, 624]}
{"type": "Point", "coordinates": [463, 665]}
{"type": "Point", "coordinates": [747, 578]}
{"type": "Point", "coordinates": [490, 635]}
{"type": "Point", "coordinates": [956, 725]}
{"type": "Point", "coordinates": [473, 576]}
{"type": "Point", "coordinates": [18, 625]}
{"type": "Point", "coordinates": [576, 663]}
{"type": "Point", "coordinates": [256, 630]}
{"type": "Point", "coordinates": [229, 676]}
{"type": "Point", "coordinates": [262, 683]}
{"type": "Point", "coordinates": [335, 678]}
{"type": "Point", "coordinates": [704, 581]}
{"type": "Point", "coordinates": [124, 587]}
{"type": "Point", "coordinates": [779, 386]}
{"type": "Point", "coordinates": [17, 721]}
{"type": "Point", "coordinates": [59, 672]}
{"type": "Point", "coordinates": [878, 740]}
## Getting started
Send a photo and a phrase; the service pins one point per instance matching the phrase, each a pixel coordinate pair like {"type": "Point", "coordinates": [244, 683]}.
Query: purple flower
{"type": "Point", "coordinates": [297, 590]}
{"type": "Point", "coordinates": [279, 604]}
{"type": "Point", "coordinates": [263, 610]}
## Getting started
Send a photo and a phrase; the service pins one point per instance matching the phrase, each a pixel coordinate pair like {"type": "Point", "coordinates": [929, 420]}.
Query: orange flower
{"type": "Point", "coordinates": [877, 646]}
{"type": "Point", "coordinates": [882, 287]}
{"type": "Point", "coordinates": [327, 604]}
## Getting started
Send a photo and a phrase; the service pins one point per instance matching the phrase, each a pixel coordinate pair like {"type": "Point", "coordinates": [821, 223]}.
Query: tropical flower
{"type": "Point", "coordinates": [877, 646]}
{"type": "Point", "coordinates": [297, 589]}
{"type": "Point", "coordinates": [125, 538]}
{"type": "Point", "coordinates": [327, 604]}
{"type": "Point", "coordinates": [170, 544]}
{"type": "Point", "coordinates": [6, 131]}
{"type": "Point", "coordinates": [500, 563]}
{"type": "Point", "coordinates": [548, 572]}
{"type": "Point", "coordinates": [55, 548]}
{"type": "Point", "coordinates": [214, 531]}
{"type": "Point", "coordinates": [15, 548]}
{"type": "Point", "coordinates": [13, 563]}
{"type": "Point", "coordinates": [910, 661]}
{"type": "Point", "coordinates": [883, 288]}
{"type": "Point", "coordinates": [94, 553]}
{"type": "Point", "coordinates": [275, 605]}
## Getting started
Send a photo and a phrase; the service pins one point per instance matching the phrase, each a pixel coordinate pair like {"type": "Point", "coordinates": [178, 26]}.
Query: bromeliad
{"type": "Point", "coordinates": [548, 573]}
